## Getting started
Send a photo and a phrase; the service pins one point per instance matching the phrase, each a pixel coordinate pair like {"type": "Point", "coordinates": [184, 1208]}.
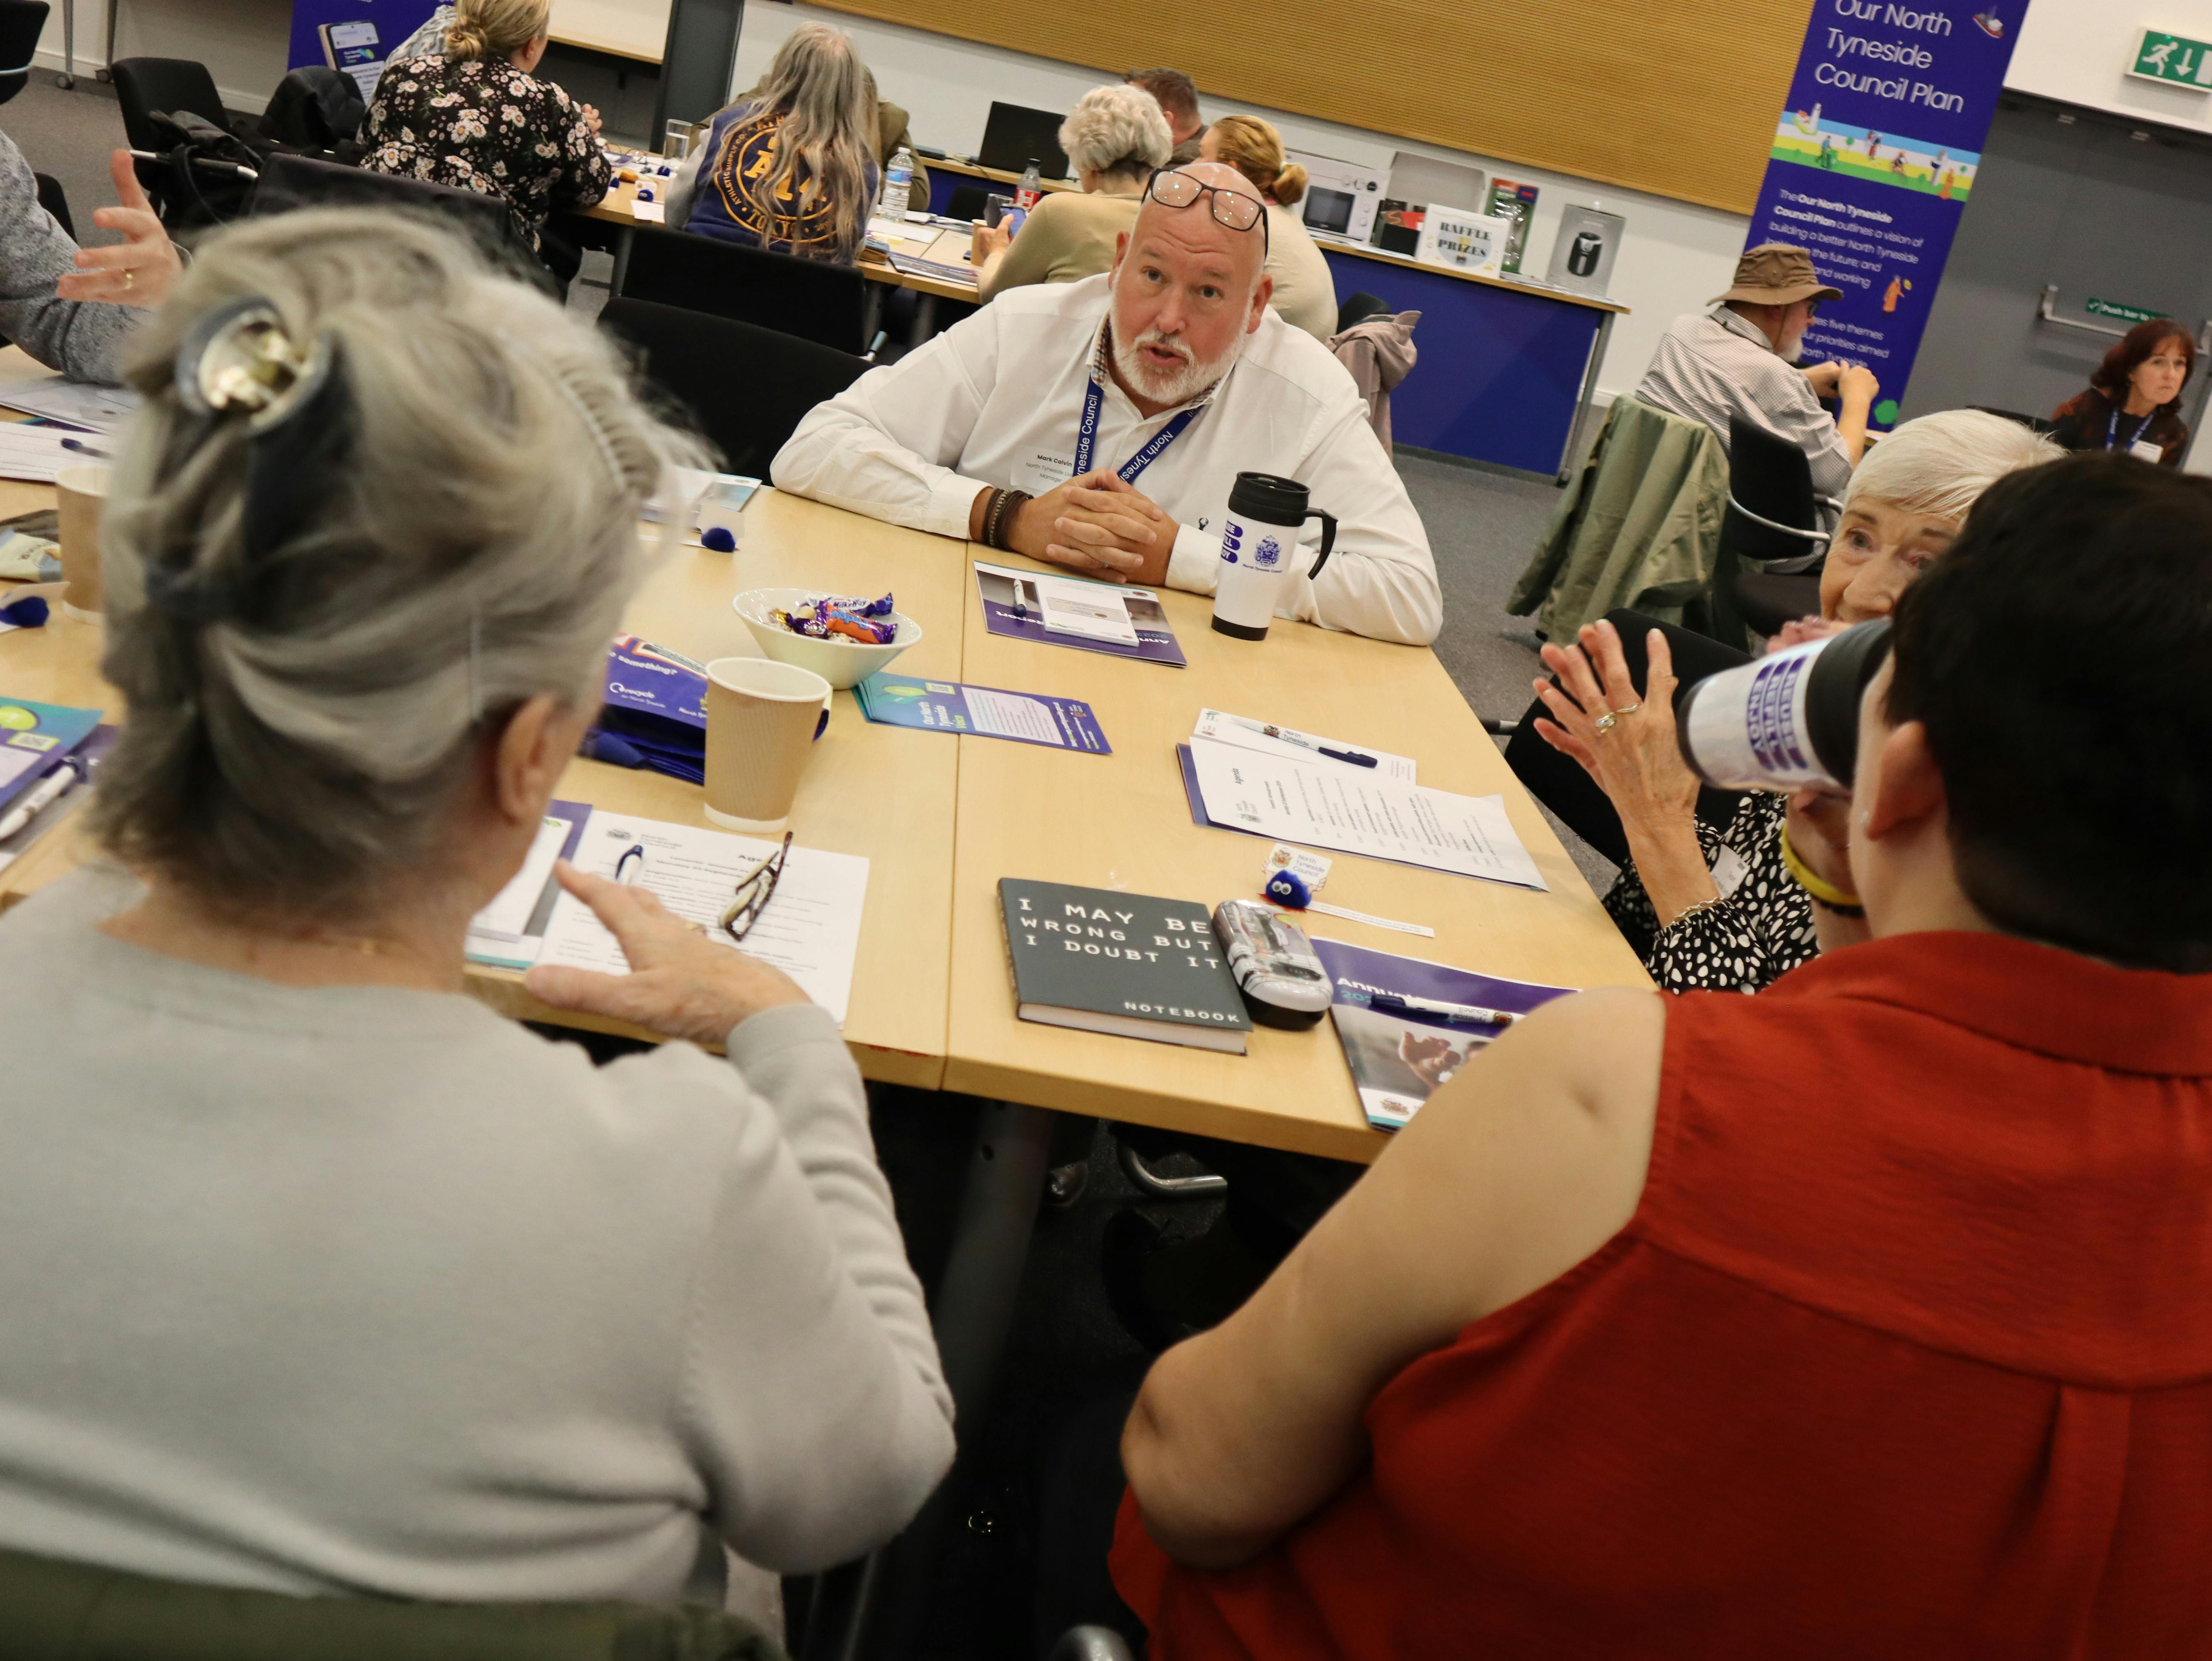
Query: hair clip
{"type": "Point", "coordinates": [240, 360]}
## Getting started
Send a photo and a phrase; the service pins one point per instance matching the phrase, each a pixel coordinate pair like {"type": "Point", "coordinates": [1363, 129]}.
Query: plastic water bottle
{"type": "Point", "coordinates": [898, 184]}
{"type": "Point", "coordinates": [1030, 188]}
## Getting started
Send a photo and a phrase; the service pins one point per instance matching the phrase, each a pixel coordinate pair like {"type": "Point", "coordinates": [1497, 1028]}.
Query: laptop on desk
{"type": "Point", "coordinates": [1014, 136]}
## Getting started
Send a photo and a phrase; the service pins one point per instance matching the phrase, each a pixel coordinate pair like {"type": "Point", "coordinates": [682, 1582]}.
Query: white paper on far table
{"type": "Point", "coordinates": [1325, 804]}
{"type": "Point", "coordinates": [1242, 731]}
{"type": "Point", "coordinates": [811, 930]}
{"type": "Point", "coordinates": [102, 409]}
{"type": "Point", "coordinates": [1089, 608]}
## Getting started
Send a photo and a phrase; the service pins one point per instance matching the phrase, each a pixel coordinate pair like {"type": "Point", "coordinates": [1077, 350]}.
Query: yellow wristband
{"type": "Point", "coordinates": [1828, 893]}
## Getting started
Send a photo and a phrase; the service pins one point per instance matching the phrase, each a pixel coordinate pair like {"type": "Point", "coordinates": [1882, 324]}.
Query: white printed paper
{"type": "Point", "coordinates": [811, 929]}
{"type": "Point", "coordinates": [652, 213]}
{"type": "Point", "coordinates": [1089, 608]}
{"type": "Point", "coordinates": [1354, 812]}
{"type": "Point", "coordinates": [102, 409]}
{"type": "Point", "coordinates": [1271, 740]}
{"type": "Point", "coordinates": [507, 917]}
{"type": "Point", "coordinates": [1011, 716]}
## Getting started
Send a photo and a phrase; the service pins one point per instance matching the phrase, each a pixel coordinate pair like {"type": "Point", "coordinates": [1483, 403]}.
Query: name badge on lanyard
{"type": "Point", "coordinates": [1086, 436]}
{"type": "Point", "coordinates": [2138, 446]}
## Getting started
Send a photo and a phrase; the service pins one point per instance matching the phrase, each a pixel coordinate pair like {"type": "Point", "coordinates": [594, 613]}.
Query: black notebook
{"type": "Point", "coordinates": [1125, 963]}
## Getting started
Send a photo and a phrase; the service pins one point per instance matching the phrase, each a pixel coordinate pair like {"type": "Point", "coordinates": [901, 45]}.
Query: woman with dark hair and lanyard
{"type": "Point", "coordinates": [2134, 400]}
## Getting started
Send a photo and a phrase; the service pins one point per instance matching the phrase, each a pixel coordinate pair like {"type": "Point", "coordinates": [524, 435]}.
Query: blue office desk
{"type": "Point", "coordinates": [1506, 371]}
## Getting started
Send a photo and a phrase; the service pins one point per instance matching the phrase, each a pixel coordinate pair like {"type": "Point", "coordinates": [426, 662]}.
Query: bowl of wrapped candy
{"type": "Point", "coordinates": [842, 638]}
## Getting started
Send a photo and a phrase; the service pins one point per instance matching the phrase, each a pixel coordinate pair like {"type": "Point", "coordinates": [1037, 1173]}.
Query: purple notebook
{"type": "Point", "coordinates": [1002, 586]}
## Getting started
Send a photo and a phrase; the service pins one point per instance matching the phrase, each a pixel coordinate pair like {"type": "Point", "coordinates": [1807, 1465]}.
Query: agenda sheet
{"type": "Point", "coordinates": [811, 930]}
{"type": "Point", "coordinates": [1355, 811]}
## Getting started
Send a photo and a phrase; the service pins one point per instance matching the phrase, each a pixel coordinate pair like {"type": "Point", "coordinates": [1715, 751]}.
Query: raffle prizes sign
{"type": "Point", "coordinates": [1874, 159]}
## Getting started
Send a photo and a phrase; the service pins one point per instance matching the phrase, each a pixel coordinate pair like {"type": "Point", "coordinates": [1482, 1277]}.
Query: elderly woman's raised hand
{"type": "Point", "coordinates": [680, 982]}
{"type": "Point", "coordinates": [1633, 756]}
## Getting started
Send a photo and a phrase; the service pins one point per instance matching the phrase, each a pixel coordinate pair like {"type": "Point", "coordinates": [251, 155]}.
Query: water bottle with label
{"type": "Point", "coordinates": [898, 182]}
{"type": "Point", "coordinates": [1030, 188]}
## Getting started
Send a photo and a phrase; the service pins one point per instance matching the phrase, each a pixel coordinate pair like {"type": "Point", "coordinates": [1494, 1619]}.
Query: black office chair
{"type": "Point", "coordinates": [21, 22]}
{"type": "Point", "coordinates": [287, 182]}
{"type": "Point", "coordinates": [1357, 308]}
{"type": "Point", "coordinates": [2034, 424]}
{"type": "Point", "coordinates": [52, 199]}
{"type": "Point", "coordinates": [810, 298]}
{"type": "Point", "coordinates": [174, 86]}
{"type": "Point", "coordinates": [1772, 516]}
{"type": "Point", "coordinates": [315, 108]}
{"type": "Point", "coordinates": [1558, 780]}
{"type": "Point", "coordinates": [747, 388]}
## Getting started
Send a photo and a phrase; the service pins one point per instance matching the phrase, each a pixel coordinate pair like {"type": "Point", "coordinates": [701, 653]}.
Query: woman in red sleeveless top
{"type": "Point", "coordinates": [1868, 1317]}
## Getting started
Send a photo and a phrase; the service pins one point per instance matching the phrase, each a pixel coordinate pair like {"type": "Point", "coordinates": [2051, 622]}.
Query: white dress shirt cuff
{"type": "Point", "coordinates": [1192, 565]}
{"type": "Point", "coordinates": [949, 500]}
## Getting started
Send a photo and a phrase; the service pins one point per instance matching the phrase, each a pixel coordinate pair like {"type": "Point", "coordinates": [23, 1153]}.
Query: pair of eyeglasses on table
{"type": "Point", "coordinates": [754, 890]}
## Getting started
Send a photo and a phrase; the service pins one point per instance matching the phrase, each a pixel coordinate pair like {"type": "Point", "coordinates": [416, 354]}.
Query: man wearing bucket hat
{"type": "Point", "coordinates": [1739, 359]}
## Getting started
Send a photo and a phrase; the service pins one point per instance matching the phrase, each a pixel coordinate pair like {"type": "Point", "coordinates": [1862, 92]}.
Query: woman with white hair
{"type": "Point", "coordinates": [318, 1276]}
{"type": "Point", "coordinates": [794, 170]}
{"type": "Point", "coordinates": [478, 117]}
{"type": "Point", "coordinates": [1115, 137]}
{"type": "Point", "coordinates": [1718, 911]}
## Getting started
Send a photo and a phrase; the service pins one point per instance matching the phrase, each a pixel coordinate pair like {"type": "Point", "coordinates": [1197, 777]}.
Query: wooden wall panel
{"type": "Point", "coordinates": [1677, 98]}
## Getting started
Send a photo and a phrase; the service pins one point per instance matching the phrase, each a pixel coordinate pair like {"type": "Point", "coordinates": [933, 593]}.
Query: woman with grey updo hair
{"type": "Point", "coordinates": [397, 1298]}
{"type": "Point", "coordinates": [1115, 137]}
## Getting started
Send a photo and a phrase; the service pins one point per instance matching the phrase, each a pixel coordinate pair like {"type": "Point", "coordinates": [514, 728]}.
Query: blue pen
{"type": "Point", "coordinates": [1459, 1014]}
{"type": "Point", "coordinates": [84, 449]}
{"type": "Point", "coordinates": [623, 871]}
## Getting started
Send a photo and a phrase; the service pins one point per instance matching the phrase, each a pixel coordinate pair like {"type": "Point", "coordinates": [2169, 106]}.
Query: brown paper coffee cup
{"type": "Point", "coordinates": [762, 717]}
{"type": "Point", "coordinates": [79, 493]}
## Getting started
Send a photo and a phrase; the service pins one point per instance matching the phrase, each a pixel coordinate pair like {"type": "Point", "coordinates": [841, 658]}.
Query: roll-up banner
{"type": "Point", "coordinates": [392, 21]}
{"type": "Point", "coordinates": [1873, 160]}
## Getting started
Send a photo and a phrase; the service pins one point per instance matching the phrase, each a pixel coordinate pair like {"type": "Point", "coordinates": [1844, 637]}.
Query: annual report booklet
{"type": "Point", "coordinates": [1130, 964]}
{"type": "Point", "coordinates": [1399, 1057]}
{"type": "Point", "coordinates": [1013, 605]}
{"type": "Point", "coordinates": [35, 739]}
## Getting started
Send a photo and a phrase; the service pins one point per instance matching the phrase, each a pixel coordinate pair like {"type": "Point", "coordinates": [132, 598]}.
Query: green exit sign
{"type": "Point", "coordinates": [2097, 307]}
{"type": "Point", "coordinates": [2173, 58]}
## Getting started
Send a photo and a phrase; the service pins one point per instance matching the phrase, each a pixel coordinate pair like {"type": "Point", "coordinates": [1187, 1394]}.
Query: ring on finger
{"type": "Point", "coordinates": [1631, 711]}
{"type": "Point", "coordinates": [129, 277]}
{"type": "Point", "coordinates": [1606, 722]}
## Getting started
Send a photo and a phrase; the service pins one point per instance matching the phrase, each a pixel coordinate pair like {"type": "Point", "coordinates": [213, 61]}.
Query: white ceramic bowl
{"type": "Point", "coordinates": [843, 663]}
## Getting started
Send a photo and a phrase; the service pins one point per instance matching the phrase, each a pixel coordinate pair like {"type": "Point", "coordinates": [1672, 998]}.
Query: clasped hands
{"type": "Point", "coordinates": [1098, 524]}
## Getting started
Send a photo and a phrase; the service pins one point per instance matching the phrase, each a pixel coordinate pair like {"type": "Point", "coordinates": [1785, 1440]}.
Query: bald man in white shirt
{"type": "Point", "coordinates": [1101, 424]}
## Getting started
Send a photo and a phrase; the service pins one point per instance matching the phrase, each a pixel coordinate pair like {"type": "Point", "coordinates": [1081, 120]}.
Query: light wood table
{"type": "Point", "coordinates": [875, 791]}
{"type": "Point", "coordinates": [1123, 821]}
{"type": "Point", "coordinates": [615, 210]}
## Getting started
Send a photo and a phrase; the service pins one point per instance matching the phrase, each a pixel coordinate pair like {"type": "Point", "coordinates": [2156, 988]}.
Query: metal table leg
{"type": "Point", "coordinates": [925, 319]}
{"type": "Point", "coordinates": [1589, 392]}
{"type": "Point", "coordinates": [625, 239]}
{"type": "Point", "coordinates": [972, 1313]}
{"type": "Point", "coordinates": [69, 44]}
{"type": "Point", "coordinates": [108, 64]}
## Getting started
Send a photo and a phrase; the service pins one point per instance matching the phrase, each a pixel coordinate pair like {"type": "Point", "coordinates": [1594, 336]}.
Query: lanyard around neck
{"type": "Point", "coordinates": [1086, 436]}
{"type": "Point", "coordinates": [2112, 431]}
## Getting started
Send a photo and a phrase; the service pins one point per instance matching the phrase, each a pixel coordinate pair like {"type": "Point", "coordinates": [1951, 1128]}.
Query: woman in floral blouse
{"type": "Point", "coordinates": [477, 118]}
{"type": "Point", "coordinates": [1716, 910]}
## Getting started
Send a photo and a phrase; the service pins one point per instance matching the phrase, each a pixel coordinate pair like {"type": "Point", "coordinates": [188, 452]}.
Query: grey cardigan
{"type": "Point", "coordinates": [82, 339]}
